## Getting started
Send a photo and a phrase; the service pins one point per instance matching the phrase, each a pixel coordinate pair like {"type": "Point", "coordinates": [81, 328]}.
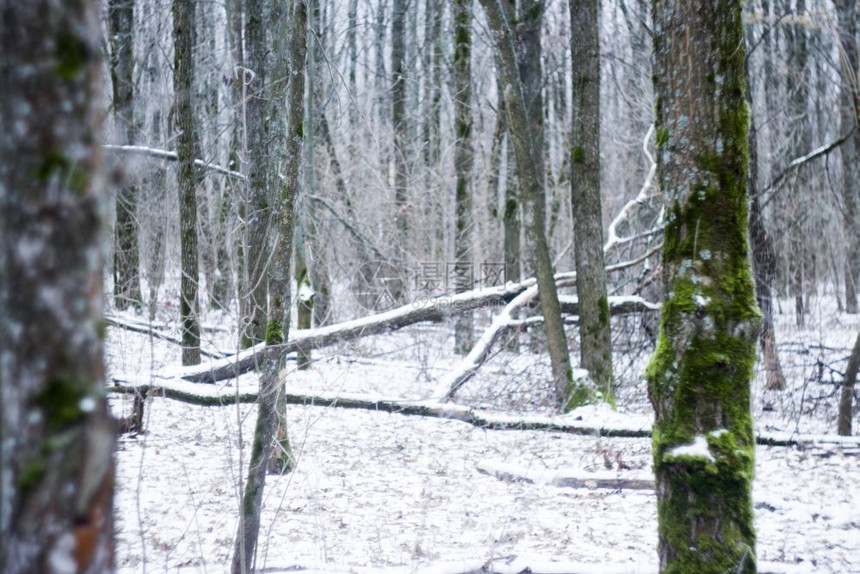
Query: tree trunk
{"type": "Point", "coordinates": [511, 214]}
{"type": "Point", "coordinates": [187, 150]}
{"type": "Point", "coordinates": [56, 434]}
{"type": "Point", "coordinates": [699, 377]}
{"type": "Point", "coordinates": [399, 124]}
{"type": "Point", "coordinates": [798, 55]}
{"type": "Point", "coordinates": [525, 124]}
{"type": "Point", "coordinates": [270, 430]}
{"type": "Point", "coordinates": [258, 213]}
{"type": "Point", "coordinates": [764, 256]}
{"type": "Point", "coordinates": [595, 333]}
{"type": "Point", "coordinates": [846, 400]}
{"type": "Point", "coordinates": [463, 164]}
{"type": "Point", "coordinates": [126, 260]}
{"type": "Point", "coordinates": [849, 22]}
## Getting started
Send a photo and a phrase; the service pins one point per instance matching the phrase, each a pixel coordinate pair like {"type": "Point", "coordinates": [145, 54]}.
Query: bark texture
{"type": "Point", "coordinates": [595, 335]}
{"type": "Point", "coordinates": [56, 436]}
{"type": "Point", "coordinates": [126, 260]}
{"type": "Point", "coordinates": [258, 212]}
{"type": "Point", "coordinates": [463, 163]}
{"type": "Point", "coordinates": [525, 125]}
{"type": "Point", "coordinates": [846, 400]}
{"type": "Point", "coordinates": [399, 123]}
{"type": "Point", "coordinates": [187, 150]}
{"type": "Point", "coordinates": [699, 377]}
{"type": "Point", "coordinates": [849, 22]}
{"type": "Point", "coordinates": [271, 400]}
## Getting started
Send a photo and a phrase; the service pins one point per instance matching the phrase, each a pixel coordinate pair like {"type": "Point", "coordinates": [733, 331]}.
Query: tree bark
{"type": "Point", "coordinates": [257, 209]}
{"type": "Point", "coordinates": [126, 261]}
{"type": "Point", "coordinates": [463, 165]}
{"type": "Point", "coordinates": [846, 400]}
{"type": "Point", "coordinates": [270, 431]}
{"type": "Point", "coordinates": [525, 124]}
{"type": "Point", "coordinates": [595, 335]}
{"type": "Point", "coordinates": [764, 257]}
{"type": "Point", "coordinates": [56, 434]}
{"type": "Point", "coordinates": [186, 150]}
{"type": "Point", "coordinates": [699, 377]}
{"type": "Point", "coordinates": [399, 125]}
{"type": "Point", "coordinates": [849, 23]}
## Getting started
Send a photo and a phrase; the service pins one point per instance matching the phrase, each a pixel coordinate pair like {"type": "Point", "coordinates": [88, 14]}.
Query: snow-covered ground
{"type": "Point", "coordinates": [386, 492]}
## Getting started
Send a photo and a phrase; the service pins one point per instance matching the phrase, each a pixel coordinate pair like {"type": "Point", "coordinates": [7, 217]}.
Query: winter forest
{"type": "Point", "coordinates": [436, 286]}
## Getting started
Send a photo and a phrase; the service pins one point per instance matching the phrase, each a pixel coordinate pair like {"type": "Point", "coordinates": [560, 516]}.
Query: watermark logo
{"type": "Point", "coordinates": [377, 286]}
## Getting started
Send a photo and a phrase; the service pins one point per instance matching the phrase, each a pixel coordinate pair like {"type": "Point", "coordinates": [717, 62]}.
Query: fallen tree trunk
{"type": "Point", "coordinates": [512, 473]}
{"type": "Point", "coordinates": [151, 331]}
{"type": "Point", "coordinates": [431, 310]}
{"type": "Point", "coordinates": [220, 395]}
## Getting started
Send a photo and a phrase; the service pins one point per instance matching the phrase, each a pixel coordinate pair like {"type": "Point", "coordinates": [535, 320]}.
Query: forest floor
{"type": "Point", "coordinates": [384, 492]}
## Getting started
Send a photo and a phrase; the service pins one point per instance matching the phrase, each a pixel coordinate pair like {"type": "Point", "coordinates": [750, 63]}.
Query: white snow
{"type": "Point", "coordinates": [383, 492]}
{"type": "Point", "coordinates": [697, 448]}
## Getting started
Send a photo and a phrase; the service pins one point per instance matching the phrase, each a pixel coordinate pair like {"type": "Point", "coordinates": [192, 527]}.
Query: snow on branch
{"type": "Point", "coordinates": [171, 156]}
{"type": "Point", "coordinates": [613, 240]}
{"type": "Point", "coordinates": [797, 162]}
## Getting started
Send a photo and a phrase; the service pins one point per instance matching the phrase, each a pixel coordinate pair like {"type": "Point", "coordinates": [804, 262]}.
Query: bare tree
{"type": "Point", "coordinates": [595, 335]}
{"type": "Point", "coordinates": [258, 212]}
{"type": "Point", "coordinates": [126, 261]}
{"type": "Point", "coordinates": [846, 400]}
{"type": "Point", "coordinates": [849, 23]}
{"type": "Point", "coordinates": [525, 124]}
{"type": "Point", "coordinates": [56, 435]}
{"type": "Point", "coordinates": [463, 162]}
{"type": "Point", "coordinates": [399, 122]}
{"type": "Point", "coordinates": [271, 401]}
{"type": "Point", "coordinates": [187, 150]}
{"type": "Point", "coordinates": [699, 377]}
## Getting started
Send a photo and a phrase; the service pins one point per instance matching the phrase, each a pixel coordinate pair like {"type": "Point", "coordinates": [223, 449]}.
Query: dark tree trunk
{"type": "Point", "coordinates": [56, 435]}
{"type": "Point", "coordinates": [699, 377]}
{"type": "Point", "coordinates": [399, 124]}
{"type": "Point", "coordinates": [511, 214]}
{"type": "Point", "coordinates": [849, 22]}
{"type": "Point", "coordinates": [846, 400]}
{"type": "Point", "coordinates": [258, 213]}
{"type": "Point", "coordinates": [764, 258]}
{"type": "Point", "coordinates": [126, 260]}
{"type": "Point", "coordinates": [525, 125]}
{"type": "Point", "coordinates": [595, 333]}
{"type": "Point", "coordinates": [187, 150]}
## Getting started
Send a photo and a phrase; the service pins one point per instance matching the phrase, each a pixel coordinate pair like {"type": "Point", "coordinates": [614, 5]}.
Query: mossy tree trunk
{"type": "Point", "coordinates": [525, 126]}
{"type": "Point", "coordinates": [846, 400]}
{"type": "Point", "coordinates": [257, 208]}
{"type": "Point", "coordinates": [186, 150]}
{"type": "Point", "coordinates": [463, 163]}
{"type": "Point", "coordinates": [56, 434]}
{"type": "Point", "coordinates": [271, 448]}
{"type": "Point", "coordinates": [699, 377]}
{"type": "Point", "coordinates": [595, 335]}
{"type": "Point", "coordinates": [849, 22]}
{"type": "Point", "coordinates": [126, 260]}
